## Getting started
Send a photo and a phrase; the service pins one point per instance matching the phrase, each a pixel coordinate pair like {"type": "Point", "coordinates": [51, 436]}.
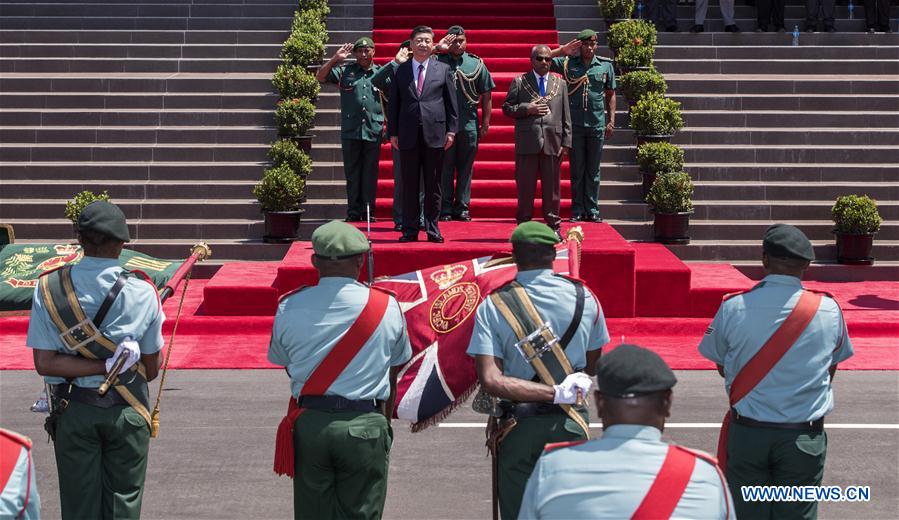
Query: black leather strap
{"type": "Point", "coordinates": [89, 396]}
{"type": "Point", "coordinates": [815, 426]}
{"type": "Point", "coordinates": [110, 298]}
{"type": "Point", "coordinates": [578, 314]}
{"type": "Point", "coordinates": [336, 402]}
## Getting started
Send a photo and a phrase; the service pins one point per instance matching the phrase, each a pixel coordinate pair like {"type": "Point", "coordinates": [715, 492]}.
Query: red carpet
{"type": "Point", "coordinates": [504, 42]}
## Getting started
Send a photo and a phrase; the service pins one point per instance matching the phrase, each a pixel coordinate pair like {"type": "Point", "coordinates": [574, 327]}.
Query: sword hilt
{"type": "Point", "coordinates": [112, 375]}
{"type": "Point", "coordinates": [579, 401]}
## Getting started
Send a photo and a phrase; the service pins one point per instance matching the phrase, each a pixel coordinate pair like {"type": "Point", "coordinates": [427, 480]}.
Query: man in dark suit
{"type": "Point", "coordinates": [538, 102]}
{"type": "Point", "coordinates": [422, 122]}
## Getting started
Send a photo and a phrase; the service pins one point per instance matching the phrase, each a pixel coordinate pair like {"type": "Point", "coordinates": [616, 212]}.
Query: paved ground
{"type": "Point", "coordinates": [214, 454]}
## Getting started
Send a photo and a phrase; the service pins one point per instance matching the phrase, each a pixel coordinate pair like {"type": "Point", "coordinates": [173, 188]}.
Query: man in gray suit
{"type": "Point", "coordinates": [422, 122]}
{"type": "Point", "coordinates": [538, 102]}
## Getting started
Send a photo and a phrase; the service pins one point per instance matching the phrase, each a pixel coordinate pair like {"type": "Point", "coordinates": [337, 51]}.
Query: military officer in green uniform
{"type": "Point", "coordinates": [101, 442]}
{"type": "Point", "coordinates": [473, 85]}
{"type": "Point", "coordinates": [342, 352]}
{"type": "Point", "coordinates": [361, 122]}
{"type": "Point", "coordinates": [591, 96]}
{"type": "Point", "coordinates": [532, 415]}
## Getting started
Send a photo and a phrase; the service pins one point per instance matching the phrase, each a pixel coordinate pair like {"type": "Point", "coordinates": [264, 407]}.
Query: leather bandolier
{"type": "Point", "coordinates": [81, 334]}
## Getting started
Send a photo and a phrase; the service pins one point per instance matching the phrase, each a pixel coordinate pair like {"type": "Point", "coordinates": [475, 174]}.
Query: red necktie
{"type": "Point", "coordinates": [421, 78]}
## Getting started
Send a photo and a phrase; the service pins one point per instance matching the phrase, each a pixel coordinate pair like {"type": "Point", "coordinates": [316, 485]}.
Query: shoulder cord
{"type": "Point", "coordinates": [154, 422]}
{"type": "Point", "coordinates": [465, 82]}
{"type": "Point", "coordinates": [577, 83]}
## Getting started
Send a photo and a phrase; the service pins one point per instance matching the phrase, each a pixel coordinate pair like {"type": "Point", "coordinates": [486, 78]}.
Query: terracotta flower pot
{"type": "Point", "coordinates": [281, 226]}
{"type": "Point", "coordinates": [672, 228]}
{"type": "Point", "coordinates": [855, 249]}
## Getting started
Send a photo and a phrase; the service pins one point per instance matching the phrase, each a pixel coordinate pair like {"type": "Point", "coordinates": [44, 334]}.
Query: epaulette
{"type": "Point", "coordinates": [737, 293]}
{"type": "Point", "coordinates": [571, 278]}
{"type": "Point", "coordinates": [16, 438]}
{"type": "Point", "coordinates": [140, 275]}
{"type": "Point", "coordinates": [553, 446]}
{"type": "Point", "coordinates": [819, 291]}
{"type": "Point", "coordinates": [475, 56]}
{"type": "Point", "coordinates": [698, 454]}
{"type": "Point", "coordinates": [291, 293]}
{"type": "Point", "coordinates": [603, 58]}
{"type": "Point", "coordinates": [383, 290]}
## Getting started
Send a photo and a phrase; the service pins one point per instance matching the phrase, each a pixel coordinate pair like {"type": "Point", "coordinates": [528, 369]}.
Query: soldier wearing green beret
{"type": "Point", "coordinates": [361, 122]}
{"type": "Point", "coordinates": [340, 418]}
{"type": "Point", "coordinates": [534, 413]}
{"type": "Point", "coordinates": [591, 95]}
{"type": "Point", "coordinates": [615, 475]}
{"type": "Point", "coordinates": [774, 433]}
{"type": "Point", "coordinates": [474, 85]}
{"type": "Point", "coordinates": [101, 442]}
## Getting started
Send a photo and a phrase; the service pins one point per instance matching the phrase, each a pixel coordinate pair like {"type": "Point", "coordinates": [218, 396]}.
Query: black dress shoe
{"type": "Point", "coordinates": [732, 28]}
{"type": "Point", "coordinates": [830, 29]}
{"type": "Point", "coordinates": [437, 239]}
{"type": "Point", "coordinates": [397, 227]}
{"type": "Point", "coordinates": [671, 28]}
{"type": "Point", "coordinates": [576, 218]}
{"type": "Point", "coordinates": [408, 238]}
{"type": "Point", "coordinates": [697, 29]}
{"type": "Point", "coordinates": [462, 217]}
{"type": "Point", "coordinates": [445, 218]}
{"type": "Point", "coordinates": [594, 218]}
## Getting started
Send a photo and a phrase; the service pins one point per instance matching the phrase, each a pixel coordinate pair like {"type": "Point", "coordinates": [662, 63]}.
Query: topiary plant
{"type": "Point", "coordinates": [616, 9]}
{"type": "Point", "coordinates": [654, 114]}
{"type": "Point", "coordinates": [637, 83]}
{"type": "Point", "coordinates": [856, 214]}
{"type": "Point", "coordinates": [280, 189]}
{"type": "Point", "coordinates": [311, 21]}
{"type": "Point", "coordinates": [285, 151]}
{"type": "Point", "coordinates": [659, 158]}
{"type": "Point", "coordinates": [671, 193]}
{"type": "Point", "coordinates": [632, 57]}
{"type": "Point", "coordinates": [294, 117]}
{"type": "Point", "coordinates": [293, 81]}
{"type": "Point", "coordinates": [303, 49]}
{"type": "Point", "coordinates": [632, 32]}
{"type": "Point", "coordinates": [75, 206]}
{"type": "Point", "coordinates": [319, 5]}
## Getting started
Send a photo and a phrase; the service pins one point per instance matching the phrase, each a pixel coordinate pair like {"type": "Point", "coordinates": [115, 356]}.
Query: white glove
{"type": "Point", "coordinates": [567, 390]}
{"type": "Point", "coordinates": [129, 348]}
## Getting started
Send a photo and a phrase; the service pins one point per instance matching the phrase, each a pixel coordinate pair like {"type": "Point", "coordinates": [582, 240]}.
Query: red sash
{"type": "Point", "coordinates": [327, 372]}
{"type": "Point", "coordinates": [11, 445]}
{"type": "Point", "coordinates": [764, 360]}
{"type": "Point", "coordinates": [668, 486]}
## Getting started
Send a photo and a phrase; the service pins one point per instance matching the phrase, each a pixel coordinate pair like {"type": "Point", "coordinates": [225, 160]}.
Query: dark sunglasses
{"type": "Point", "coordinates": [547, 59]}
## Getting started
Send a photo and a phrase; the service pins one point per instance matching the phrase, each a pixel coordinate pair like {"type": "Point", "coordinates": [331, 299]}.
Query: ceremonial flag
{"type": "Point", "coordinates": [439, 304]}
{"type": "Point", "coordinates": [22, 264]}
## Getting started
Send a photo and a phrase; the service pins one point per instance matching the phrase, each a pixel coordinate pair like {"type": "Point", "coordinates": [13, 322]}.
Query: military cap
{"type": "Point", "coordinates": [336, 240]}
{"type": "Point", "coordinates": [365, 41]}
{"type": "Point", "coordinates": [786, 241]}
{"type": "Point", "coordinates": [532, 232]}
{"type": "Point", "coordinates": [586, 34]}
{"type": "Point", "coordinates": [632, 371]}
{"type": "Point", "coordinates": [456, 29]}
{"type": "Point", "coordinates": [105, 218]}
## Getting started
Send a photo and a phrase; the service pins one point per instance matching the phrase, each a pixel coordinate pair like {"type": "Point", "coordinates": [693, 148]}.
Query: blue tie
{"type": "Point", "coordinates": [542, 87]}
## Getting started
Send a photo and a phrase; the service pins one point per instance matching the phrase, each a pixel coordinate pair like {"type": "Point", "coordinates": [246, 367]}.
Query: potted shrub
{"type": "Point", "coordinates": [293, 81]}
{"type": "Point", "coordinates": [614, 11]}
{"type": "Point", "coordinates": [632, 32]}
{"type": "Point", "coordinates": [304, 50]}
{"type": "Point", "coordinates": [294, 118]}
{"type": "Point", "coordinates": [75, 206]}
{"type": "Point", "coordinates": [656, 159]}
{"type": "Point", "coordinates": [670, 198]}
{"type": "Point", "coordinates": [634, 57]}
{"type": "Point", "coordinates": [286, 152]}
{"type": "Point", "coordinates": [311, 21]}
{"type": "Point", "coordinates": [634, 85]}
{"type": "Point", "coordinates": [655, 118]}
{"type": "Point", "coordinates": [318, 5]}
{"type": "Point", "coordinates": [857, 221]}
{"type": "Point", "coordinates": [279, 193]}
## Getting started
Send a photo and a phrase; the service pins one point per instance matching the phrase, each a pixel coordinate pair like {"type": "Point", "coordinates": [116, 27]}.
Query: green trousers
{"type": "Point", "coordinates": [771, 457]}
{"type": "Point", "coordinates": [586, 153]}
{"type": "Point", "coordinates": [341, 464]}
{"type": "Point", "coordinates": [101, 458]}
{"type": "Point", "coordinates": [360, 166]}
{"type": "Point", "coordinates": [455, 197]}
{"type": "Point", "coordinates": [519, 451]}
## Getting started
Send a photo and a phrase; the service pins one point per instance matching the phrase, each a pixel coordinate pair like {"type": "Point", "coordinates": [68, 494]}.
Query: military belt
{"type": "Point", "coordinates": [337, 403]}
{"type": "Point", "coordinates": [522, 410]}
{"type": "Point", "coordinates": [814, 426]}
{"type": "Point", "coordinates": [89, 396]}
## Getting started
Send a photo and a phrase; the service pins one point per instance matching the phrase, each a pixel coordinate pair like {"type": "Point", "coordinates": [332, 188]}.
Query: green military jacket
{"type": "Point", "coordinates": [361, 108]}
{"type": "Point", "coordinates": [586, 97]}
{"type": "Point", "coordinates": [471, 79]}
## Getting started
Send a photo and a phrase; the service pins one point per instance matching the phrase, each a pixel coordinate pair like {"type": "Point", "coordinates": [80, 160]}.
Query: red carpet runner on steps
{"type": "Point", "coordinates": [504, 42]}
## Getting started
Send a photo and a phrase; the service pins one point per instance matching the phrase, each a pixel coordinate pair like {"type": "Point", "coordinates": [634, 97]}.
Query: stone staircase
{"type": "Point", "coordinates": [167, 104]}
{"type": "Point", "coordinates": [774, 133]}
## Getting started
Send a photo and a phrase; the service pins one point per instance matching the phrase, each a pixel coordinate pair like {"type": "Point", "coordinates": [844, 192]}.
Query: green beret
{"type": "Point", "coordinates": [456, 29]}
{"type": "Point", "coordinates": [336, 240]}
{"type": "Point", "coordinates": [632, 371]}
{"type": "Point", "coordinates": [786, 241]}
{"type": "Point", "coordinates": [105, 218]}
{"type": "Point", "coordinates": [586, 34]}
{"type": "Point", "coordinates": [365, 41]}
{"type": "Point", "coordinates": [532, 232]}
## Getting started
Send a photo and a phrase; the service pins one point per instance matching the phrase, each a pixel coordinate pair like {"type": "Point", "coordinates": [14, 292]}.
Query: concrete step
{"type": "Point", "coordinates": [65, 188]}
{"type": "Point", "coordinates": [776, 66]}
{"type": "Point", "coordinates": [100, 118]}
{"type": "Point", "coordinates": [715, 37]}
{"type": "Point", "coordinates": [150, 83]}
{"type": "Point", "coordinates": [148, 23]}
{"type": "Point", "coordinates": [125, 50]}
{"type": "Point", "coordinates": [195, 135]}
{"type": "Point", "coordinates": [114, 172]}
{"type": "Point", "coordinates": [105, 64]}
{"type": "Point", "coordinates": [748, 83]}
{"type": "Point", "coordinates": [746, 24]}
{"type": "Point", "coordinates": [171, 37]}
{"type": "Point", "coordinates": [708, 231]}
{"type": "Point", "coordinates": [144, 229]}
{"type": "Point", "coordinates": [199, 209]}
{"type": "Point", "coordinates": [134, 101]}
{"type": "Point", "coordinates": [825, 250]}
{"type": "Point", "coordinates": [141, 9]}
{"type": "Point", "coordinates": [118, 152]}
{"type": "Point", "coordinates": [686, 12]}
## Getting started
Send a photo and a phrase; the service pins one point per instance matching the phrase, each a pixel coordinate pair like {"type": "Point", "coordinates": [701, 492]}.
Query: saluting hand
{"type": "Point", "coordinates": [571, 47]}
{"type": "Point", "coordinates": [402, 56]}
{"type": "Point", "coordinates": [344, 51]}
{"type": "Point", "coordinates": [445, 42]}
